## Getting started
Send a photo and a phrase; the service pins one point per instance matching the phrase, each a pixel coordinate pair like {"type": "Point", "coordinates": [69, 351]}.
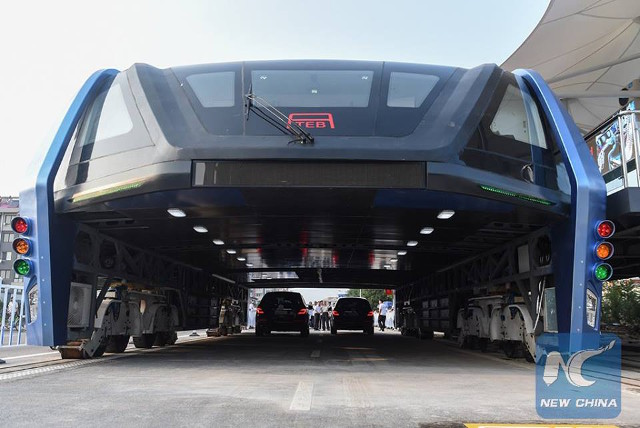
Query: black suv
{"type": "Point", "coordinates": [282, 311]}
{"type": "Point", "coordinates": [352, 313]}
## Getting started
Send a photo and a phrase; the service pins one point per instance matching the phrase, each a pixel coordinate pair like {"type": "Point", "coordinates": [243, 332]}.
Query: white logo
{"type": "Point", "coordinates": [573, 368]}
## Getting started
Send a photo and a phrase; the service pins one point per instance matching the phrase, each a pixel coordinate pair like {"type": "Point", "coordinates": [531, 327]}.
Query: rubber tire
{"type": "Point", "coordinates": [162, 338]}
{"type": "Point", "coordinates": [259, 331]}
{"type": "Point", "coordinates": [100, 351]}
{"type": "Point", "coordinates": [369, 331]}
{"type": "Point", "coordinates": [334, 330]}
{"type": "Point", "coordinates": [117, 344]}
{"type": "Point", "coordinates": [510, 349]}
{"type": "Point", "coordinates": [304, 332]}
{"type": "Point", "coordinates": [483, 344]}
{"type": "Point", "coordinates": [145, 341]}
{"type": "Point", "coordinates": [173, 338]}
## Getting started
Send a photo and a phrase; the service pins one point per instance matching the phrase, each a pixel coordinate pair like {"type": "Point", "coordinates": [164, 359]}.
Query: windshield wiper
{"type": "Point", "coordinates": [267, 112]}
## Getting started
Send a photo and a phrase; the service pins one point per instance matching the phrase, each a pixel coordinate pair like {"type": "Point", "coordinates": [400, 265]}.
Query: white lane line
{"type": "Point", "coordinates": [356, 393]}
{"type": "Point", "coordinates": [315, 354]}
{"type": "Point", "coordinates": [302, 397]}
{"type": "Point", "coordinates": [30, 355]}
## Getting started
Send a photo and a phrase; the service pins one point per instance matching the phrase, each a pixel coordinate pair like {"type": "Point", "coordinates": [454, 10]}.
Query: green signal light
{"type": "Point", "coordinates": [22, 267]}
{"type": "Point", "coordinates": [603, 272]}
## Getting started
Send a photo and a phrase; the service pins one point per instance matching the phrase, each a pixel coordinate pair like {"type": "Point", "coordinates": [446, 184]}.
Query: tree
{"type": "Point", "coordinates": [372, 295]}
{"type": "Point", "coordinates": [621, 303]}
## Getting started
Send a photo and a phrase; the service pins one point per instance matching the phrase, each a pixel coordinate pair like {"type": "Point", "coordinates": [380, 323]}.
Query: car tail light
{"type": "Point", "coordinates": [259, 311]}
{"type": "Point", "coordinates": [336, 314]}
{"type": "Point", "coordinates": [302, 311]}
{"type": "Point", "coordinates": [370, 314]}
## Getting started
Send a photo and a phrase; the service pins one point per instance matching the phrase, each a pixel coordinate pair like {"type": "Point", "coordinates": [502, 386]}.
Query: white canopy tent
{"type": "Point", "coordinates": [588, 50]}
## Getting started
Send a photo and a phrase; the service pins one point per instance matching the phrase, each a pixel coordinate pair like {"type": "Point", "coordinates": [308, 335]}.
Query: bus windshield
{"type": "Point", "coordinates": [313, 88]}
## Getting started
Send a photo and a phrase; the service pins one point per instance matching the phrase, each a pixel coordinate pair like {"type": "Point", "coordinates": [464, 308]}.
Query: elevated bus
{"type": "Point", "coordinates": [167, 191]}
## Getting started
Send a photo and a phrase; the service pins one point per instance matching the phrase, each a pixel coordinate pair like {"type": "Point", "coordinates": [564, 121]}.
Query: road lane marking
{"type": "Point", "coordinates": [302, 397]}
{"type": "Point", "coordinates": [315, 354]}
{"type": "Point", "coordinates": [30, 355]}
{"type": "Point", "coordinates": [356, 393]}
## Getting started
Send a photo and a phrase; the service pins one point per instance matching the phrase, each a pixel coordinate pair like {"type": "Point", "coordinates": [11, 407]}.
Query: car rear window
{"type": "Point", "coordinates": [358, 305]}
{"type": "Point", "coordinates": [286, 301]}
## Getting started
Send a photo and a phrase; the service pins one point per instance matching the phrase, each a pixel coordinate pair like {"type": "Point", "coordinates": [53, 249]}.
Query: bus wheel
{"type": "Point", "coordinates": [117, 344]}
{"type": "Point", "coordinates": [144, 341]}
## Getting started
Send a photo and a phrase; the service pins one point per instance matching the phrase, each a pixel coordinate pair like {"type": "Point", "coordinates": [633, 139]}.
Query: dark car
{"type": "Point", "coordinates": [352, 313]}
{"type": "Point", "coordinates": [282, 311]}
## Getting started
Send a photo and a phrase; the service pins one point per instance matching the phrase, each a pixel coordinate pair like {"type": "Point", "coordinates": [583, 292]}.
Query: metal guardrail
{"type": "Point", "coordinates": [12, 331]}
{"type": "Point", "coordinates": [615, 147]}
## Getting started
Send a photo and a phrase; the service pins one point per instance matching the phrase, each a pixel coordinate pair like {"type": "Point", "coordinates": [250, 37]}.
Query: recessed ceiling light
{"type": "Point", "coordinates": [426, 230]}
{"type": "Point", "coordinates": [176, 212]}
{"type": "Point", "coordinates": [402, 252]}
{"type": "Point", "coordinates": [231, 251]}
{"type": "Point", "coordinates": [249, 264]}
{"type": "Point", "coordinates": [218, 241]}
{"type": "Point", "coordinates": [393, 260]}
{"type": "Point", "coordinates": [242, 259]}
{"type": "Point", "coordinates": [445, 214]}
{"type": "Point", "coordinates": [412, 243]}
{"type": "Point", "coordinates": [200, 229]}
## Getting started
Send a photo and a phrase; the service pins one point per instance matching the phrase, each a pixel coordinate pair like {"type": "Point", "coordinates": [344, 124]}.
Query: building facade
{"type": "Point", "coordinates": [8, 210]}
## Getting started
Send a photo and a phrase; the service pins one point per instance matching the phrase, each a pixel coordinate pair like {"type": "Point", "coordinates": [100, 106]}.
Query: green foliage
{"type": "Point", "coordinates": [373, 296]}
{"type": "Point", "coordinates": [621, 303]}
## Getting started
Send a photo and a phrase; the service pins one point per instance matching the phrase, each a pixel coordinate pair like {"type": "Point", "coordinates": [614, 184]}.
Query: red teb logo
{"type": "Point", "coordinates": [312, 120]}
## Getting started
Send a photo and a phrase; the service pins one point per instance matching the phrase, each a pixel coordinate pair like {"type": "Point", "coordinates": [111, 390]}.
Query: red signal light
{"type": "Point", "coordinates": [336, 314]}
{"type": "Point", "coordinates": [302, 311]}
{"type": "Point", "coordinates": [370, 314]}
{"type": "Point", "coordinates": [605, 228]}
{"type": "Point", "coordinates": [259, 311]}
{"type": "Point", "coordinates": [20, 225]}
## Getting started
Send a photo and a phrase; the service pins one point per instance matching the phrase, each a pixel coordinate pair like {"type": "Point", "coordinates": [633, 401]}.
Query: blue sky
{"type": "Point", "coordinates": [50, 48]}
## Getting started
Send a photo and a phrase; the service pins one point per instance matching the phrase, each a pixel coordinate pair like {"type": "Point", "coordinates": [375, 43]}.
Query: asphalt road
{"type": "Point", "coordinates": [386, 380]}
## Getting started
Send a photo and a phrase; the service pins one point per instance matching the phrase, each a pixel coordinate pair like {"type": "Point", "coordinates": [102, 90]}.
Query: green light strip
{"type": "Point", "coordinates": [527, 198]}
{"type": "Point", "coordinates": [108, 191]}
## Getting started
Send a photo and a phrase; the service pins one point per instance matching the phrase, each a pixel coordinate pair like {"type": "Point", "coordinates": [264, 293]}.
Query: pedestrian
{"type": "Point", "coordinates": [317, 310]}
{"type": "Point", "coordinates": [382, 316]}
{"type": "Point", "coordinates": [390, 318]}
{"type": "Point", "coordinates": [325, 316]}
{"type": "Point", "coordinates": [251, 316]}
{"type": "Point", "coordinates": [310, 312]}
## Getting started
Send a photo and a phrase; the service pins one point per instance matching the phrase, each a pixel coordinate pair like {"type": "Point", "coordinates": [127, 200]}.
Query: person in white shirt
{"type": "Point", "coordinates": [316, 316]}
{"type": "Point", "coordinates": [390, 318]}
{"type": "Point", "coordinates": [251, 316]}
{"type": "Point", "coordinates": [324, 317]}
{"type": "Point", "coordinates": [382, 316]}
